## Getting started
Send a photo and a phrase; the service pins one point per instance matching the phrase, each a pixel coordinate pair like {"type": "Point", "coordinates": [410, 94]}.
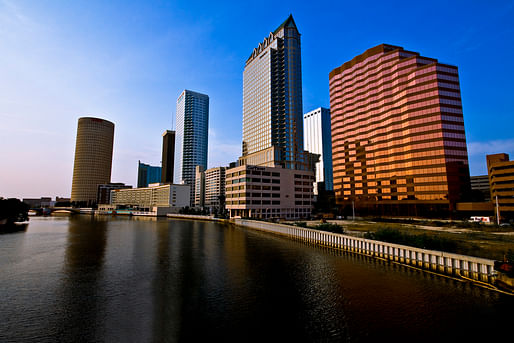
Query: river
{"type": "Point", "coordinates": [103, 279]}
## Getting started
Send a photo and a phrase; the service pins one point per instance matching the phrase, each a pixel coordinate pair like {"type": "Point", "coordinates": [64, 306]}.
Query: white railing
{"type": "Point", "coordinates": [476, 268]}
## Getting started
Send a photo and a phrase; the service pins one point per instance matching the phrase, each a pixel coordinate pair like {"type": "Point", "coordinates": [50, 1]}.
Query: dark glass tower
{"type": "Point", "coordinates": [168, 156]}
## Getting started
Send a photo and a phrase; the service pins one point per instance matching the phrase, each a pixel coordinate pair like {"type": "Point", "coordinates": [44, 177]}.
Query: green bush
{"type": "Point", "coordinates": [330, 227]}
{"type": "Point", "coordinates": [419, 241]}
{"type": "Point", "coordinates": [301, 224]}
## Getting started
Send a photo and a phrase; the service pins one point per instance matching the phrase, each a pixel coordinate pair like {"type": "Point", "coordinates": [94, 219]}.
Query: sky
{"type": "Point", "coordinates": [128, 61]}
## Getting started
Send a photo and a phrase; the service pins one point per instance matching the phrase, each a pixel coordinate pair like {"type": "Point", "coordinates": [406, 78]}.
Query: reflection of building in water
{"type": "Point", "coordinates": [80, 297]}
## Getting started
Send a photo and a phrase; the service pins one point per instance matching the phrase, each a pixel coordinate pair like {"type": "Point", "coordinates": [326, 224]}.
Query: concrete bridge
{"type": "Point", "coordinates": [50, 210]}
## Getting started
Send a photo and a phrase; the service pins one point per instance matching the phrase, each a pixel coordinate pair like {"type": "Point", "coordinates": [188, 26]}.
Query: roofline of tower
{"type": "Point", "coordinates": [370, 52]}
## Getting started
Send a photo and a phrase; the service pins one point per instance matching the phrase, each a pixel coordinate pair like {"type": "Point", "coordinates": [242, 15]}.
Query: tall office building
{"type": "Point", "coordinates": [317, 138]}
{"type": "Point", "coordinates": [147, 174]}
{"type": "Point", "coordinates": [272, 134]}
{"type": "Point", "coordinates": [93, 159]}
{"type": "Point", "coordinates": [398, 141]}
{"type": "Point", "coordinates": [191, 136]}
{"type": "Point", "coordinates": [272, 101]}
{"type": "Point", "coordinates": [168, 156]}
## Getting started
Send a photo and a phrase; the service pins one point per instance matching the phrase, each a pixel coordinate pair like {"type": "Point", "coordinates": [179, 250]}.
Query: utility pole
{"type": "Point", "coordinates": [497, 211]}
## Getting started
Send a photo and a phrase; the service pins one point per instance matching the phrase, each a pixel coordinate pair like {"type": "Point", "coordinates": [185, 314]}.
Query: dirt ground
{"type": "Point", "coordinates": [486, 241]}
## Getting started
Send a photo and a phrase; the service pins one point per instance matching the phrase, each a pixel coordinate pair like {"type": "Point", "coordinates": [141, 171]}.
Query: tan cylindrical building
{"type": "Point", "coordinates": [93, 158]}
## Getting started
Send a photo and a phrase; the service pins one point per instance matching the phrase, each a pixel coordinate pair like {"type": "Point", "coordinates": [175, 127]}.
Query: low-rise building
{"type": "Point", "coordinates": [215, 188]}
{"type": "Point", "coordinates": [152, 198]}
{"type": "Point", "coordinates": [269, 192]}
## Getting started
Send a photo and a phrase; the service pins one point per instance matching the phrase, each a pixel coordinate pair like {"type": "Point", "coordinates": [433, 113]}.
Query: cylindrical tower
{"type": "Point", "coordinates": [93, 158]}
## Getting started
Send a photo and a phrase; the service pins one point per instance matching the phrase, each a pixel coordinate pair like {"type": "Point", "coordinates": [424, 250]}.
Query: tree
{"type": "Point", "coordinates": [13, 210]}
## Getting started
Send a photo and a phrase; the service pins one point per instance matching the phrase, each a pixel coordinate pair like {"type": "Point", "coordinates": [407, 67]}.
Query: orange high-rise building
{"type": "Point", "coordinates": [398, 142]}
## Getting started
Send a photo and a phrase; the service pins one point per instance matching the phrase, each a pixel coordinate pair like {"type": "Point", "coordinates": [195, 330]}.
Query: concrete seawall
{"type": "Point", "coordinates": [468, 267]}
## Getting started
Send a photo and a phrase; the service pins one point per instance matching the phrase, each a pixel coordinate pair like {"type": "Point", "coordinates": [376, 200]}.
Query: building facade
{"type": "Point", "coordinates": [104, 191]}
{"type": "Point", "coordinates": [481, 183]}
{"type": "Point", "coordinates": [93, 159]}
{"type": "Point", "coordinates": [147, 174]}
{"type": "Point", "coordinates": [156, 195]}
{"type": "Point", "coordinates": [199, 187]}
{"type": "Point", "coordinates": [269, 192]}
{"type": "Point", "coordinates": [215, 188]}
{"type": "Point", "coordinates": [168, 156]}
{"type": "Point", "coordinates": [398, 140]}
{"type": "Point", "coordinates": [501, 182]}
{"type": "Point", "coordinates": [317, 139]}
{"type": "Point", "coordinates": [272, 101]}
{"type": "Point", "coordinates": [191, 136]}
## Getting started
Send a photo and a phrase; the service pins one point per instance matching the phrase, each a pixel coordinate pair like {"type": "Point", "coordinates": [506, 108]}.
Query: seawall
{"type": "Point", "coordinates": [469, 268]}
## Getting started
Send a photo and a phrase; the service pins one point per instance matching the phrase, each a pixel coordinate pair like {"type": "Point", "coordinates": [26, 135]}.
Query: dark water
{"type": "Point", "coordinates": [81, 279]}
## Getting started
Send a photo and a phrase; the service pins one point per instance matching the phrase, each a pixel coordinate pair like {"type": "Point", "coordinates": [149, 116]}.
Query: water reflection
{"type": "Point", "coordinates": [81, 303]}
{"type": "Point", "coordinates": [119, 280]}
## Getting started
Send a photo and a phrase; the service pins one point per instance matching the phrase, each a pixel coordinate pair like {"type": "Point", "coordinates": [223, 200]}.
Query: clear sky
{"type": "Point", "coordinates": [128, 61]}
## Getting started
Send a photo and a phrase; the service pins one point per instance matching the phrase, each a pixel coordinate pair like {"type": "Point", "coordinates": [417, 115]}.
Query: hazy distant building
{"type": "Point", "coordinates": [159, 198]}
{"type": "Point", "coordinates": [93, 159]}
{"type": "Point", "coordinates": [481, 183]}
{"type": "Point", "coordinates": [398, 139]}
{"type": "Point", "coordinates": [104, 191]}
{"type": "Point", "coordinates": [168, 156]}
{"type": "Point", "coordinates": [191, 136]}
{"type": "Point", "coordinates": [147, 174]}
{"type": "Point", "coordinates": [501, 181]}
{"type": "Point", "coordinates": [317, 138]}
{"type": "Point", "coordinates": [38, 202]}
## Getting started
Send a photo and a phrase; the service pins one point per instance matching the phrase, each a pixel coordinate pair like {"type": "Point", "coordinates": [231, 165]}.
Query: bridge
{"type": "Point", "coordinates": [50, 210]}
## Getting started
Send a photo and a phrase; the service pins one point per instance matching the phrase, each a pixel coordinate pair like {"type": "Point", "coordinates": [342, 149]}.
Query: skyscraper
{"type": "Point", "coordinates": [191, 136]}
{"type": "Point", "coordinates": [317, 138]}
{"type": "Point", "coordinates": [168, 156]}
{"type": "Point", "coordinates": [272, 101]}
{"type": "Point", "coordinates": [398, 140]}
{"type": "Point", "coordinates": [93, 159]}
{"type": "Point", "coordinates": [274, 178]}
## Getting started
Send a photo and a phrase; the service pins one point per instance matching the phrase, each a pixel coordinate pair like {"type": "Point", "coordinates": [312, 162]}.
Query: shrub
{"type": "Point", "coordinates": [418, 241]}
{"type": "Point", "coordinates": [330, 227]}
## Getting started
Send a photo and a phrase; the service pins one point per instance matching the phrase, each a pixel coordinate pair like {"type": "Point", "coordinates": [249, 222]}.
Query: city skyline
{"type": "Point", "coordinates": [110, 77]}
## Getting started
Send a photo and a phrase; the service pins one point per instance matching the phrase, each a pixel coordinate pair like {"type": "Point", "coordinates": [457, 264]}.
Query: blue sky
{"type": "Point", "coordinates": [128, 61]}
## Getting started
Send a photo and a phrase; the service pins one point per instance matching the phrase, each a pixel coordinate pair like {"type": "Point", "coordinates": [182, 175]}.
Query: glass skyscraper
{"type": "Point", "coordinates": [272, 101]}
{"type": "Point", "coordinates": [191, 137]}
{"type": "Point", "coordinates": [147, 174]}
